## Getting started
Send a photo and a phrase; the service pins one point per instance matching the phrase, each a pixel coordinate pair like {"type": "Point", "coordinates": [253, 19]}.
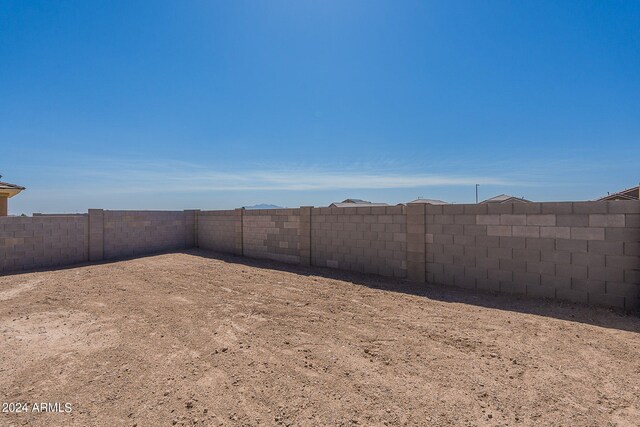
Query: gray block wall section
{"type": "Point", "coordinates": [272, 234]}
{"type": "Point", "coordinates": [45, 241]}
{"type": "Point", "coordinates": [96, 234]}
{"type": "Point", "coordinates": [57, 240]}
{"type": "Point", "coordinates": [217, 231]}
{"type": "Point", "coordinates": [587, 252]}
{"type": "Point", "coordinates": [368, 240]}
{"type": "Point", "coordinates": [132, 233]}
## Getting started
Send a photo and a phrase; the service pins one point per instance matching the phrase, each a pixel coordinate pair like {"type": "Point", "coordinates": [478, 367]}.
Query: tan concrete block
{"type": "Point", "coordinates": [623, 206]}
{"type": "Point", "coordinates": [527, 208]}
{"type": "Point", "coordinates": [588, 285]}
{"type": "Point", "coordinates": [500, 253]}
{"type": "Point", "coordinates": [555, 232]}
{"type": "Point", "coordinates": [542, 220]}
{"type": "Point", "coordinates": [411, 256]}
{"type": "Point", "coordinates": [464, 219]}
{"type": "Point", "coordinates": [499, 230]}
{"type": "Point", "coordinates": [475, 230]}
{"type": "Point", "coordinates": [608, 274]}
{"type": "Point", "coordinates": [526, 254]}
{"type": "Point", "coordinates": [630, 249]}
{"type": "Point", "coordinates": [400, 237]}
{"type": "Point", "coordinates": [488, 219]}
{"type": "Point", "coordinates": [632, 220]}
{"type": "Point", "coordinates": [441, 258]}
{"type": "Point", "coordinates": [487, 241]}
{"type": "Point", "coordinates": [572, 220]}
{"type": "Point", "coordinates": [557, 208]}
{"type": "Point", "coordinates": [453, 249]}
{"type": "Point", "coordinates": [632, 276]}
{"type": "Point", "coordinates": [444, 239]}
{"type": "Point", "coordinates": [475, 251]}
{"type": "Point", "coordinates": [544, 245]}
{"type": "Point", "coordinates": [573, 271]}
{"type": "Point", "coordinates": [515, 265]}
{"type": "Point", "coordinates": [626, 234]}
{"type": "Point", "coordinates": [624, 262]}
{"type": "Point", "coordinates": [453, 229]}
{"type": "Point", "coordinates": [590, 207]}
{"type": "Point", "coordinates": [527, 279]}
{"type": "Point", "coordinates": [416, 271]}
{"type": "Point", "coordinates": [588, 259]}
{"type": "Point", "coordinates": [567, 245]}
{"type": "Point", "coordinates": [607, 220]}
{"type": "Point", "coordinates": [541, 267]}
{"type": "Point", "coordinates": [488, 263]}
{"type": "Point", "coordinates": [587, 233]}
{"type": "Point", "coordinates": [526, 231]}
{"type": "Point", "coordinates": [443, 219]}
{"type": "Point", "coordinates": [500, 208]}
{"type": "Point", "coordinates": [513, 242]}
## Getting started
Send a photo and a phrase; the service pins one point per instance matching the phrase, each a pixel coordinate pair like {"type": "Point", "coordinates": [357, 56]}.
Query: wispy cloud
{"type": "Point", "coordinates": [170, 176]}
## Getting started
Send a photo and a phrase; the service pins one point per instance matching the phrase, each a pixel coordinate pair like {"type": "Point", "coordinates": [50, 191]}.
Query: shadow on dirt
{"type": "Point", "coordinates": [596, 316]}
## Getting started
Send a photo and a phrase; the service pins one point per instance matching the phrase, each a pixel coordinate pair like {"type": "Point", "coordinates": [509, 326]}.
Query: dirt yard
{"type": "Point", "coordinates": [200, 339]}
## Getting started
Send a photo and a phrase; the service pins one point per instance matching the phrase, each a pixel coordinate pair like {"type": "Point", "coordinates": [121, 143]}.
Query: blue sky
{"type": "Point", "coordinates": [199, 104]}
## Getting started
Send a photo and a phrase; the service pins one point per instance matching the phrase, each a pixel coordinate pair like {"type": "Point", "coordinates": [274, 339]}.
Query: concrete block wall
{"type": "Point", "coordinates": [96, 234]}
{"type": "Point", "coordinates": [368, 240]}
{"type": "Point", "coordinates": [218, 231]}
{"type": "Point", "coordinates": [579, 251]}
{"type": "Point", "coordinates": [587, 252]}
{"type": "Point", "coordinates": [131, 233]}
{"type": "Point", "coordinates": [272, 234]}
{"type": "Point", "coordinates": [46, 241]}
{"type": "Point", "coordinates": [190, 228]}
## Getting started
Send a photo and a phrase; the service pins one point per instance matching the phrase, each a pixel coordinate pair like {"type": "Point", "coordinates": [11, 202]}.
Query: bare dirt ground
{"type": "Point", "coordinates": [201, 339]}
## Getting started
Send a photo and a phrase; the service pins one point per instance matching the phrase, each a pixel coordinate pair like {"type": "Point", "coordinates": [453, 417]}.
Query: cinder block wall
{"type": "Point", "coordinates": [272, 234]}
{"type": "Point", "coordinates": [131, 233]}
{"type": "Point", "coordinates": [582, 251]}
{"type": "Point", "coordinates": [219, 231]}
{"type": "Point", "coordinates": [586, 252]}
{"type": "Point", "coordinates": [47, 241]}
{"type": "Point", "coordinates": [369, 240]}
{"type": "Point", "coordinates": [57, 240]}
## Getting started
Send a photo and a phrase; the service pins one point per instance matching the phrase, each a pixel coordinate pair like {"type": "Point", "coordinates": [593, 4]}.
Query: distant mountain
{"type": "Point", "coordinates": [263, 206]}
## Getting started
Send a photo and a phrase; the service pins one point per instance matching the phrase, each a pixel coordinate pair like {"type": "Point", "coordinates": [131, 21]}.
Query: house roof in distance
{"type": "Point", "coordinates": [428, 202]}
{"type": "Point", "coordinates": [9, 190]}
{"type": "Point", "coordinates": [506, 198]}
{"type": "Point", "coordinates": [632, 193]}
{"type": "Point", "coordinates": [355, 203]}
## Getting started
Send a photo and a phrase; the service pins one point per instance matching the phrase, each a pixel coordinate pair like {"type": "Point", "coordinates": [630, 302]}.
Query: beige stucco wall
{"type": "Point", "coordinates": [4, 205]}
